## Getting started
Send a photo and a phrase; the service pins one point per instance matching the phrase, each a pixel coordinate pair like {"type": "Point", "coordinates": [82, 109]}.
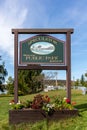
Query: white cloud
{"type": "Point", "coordinates": [12, 15]}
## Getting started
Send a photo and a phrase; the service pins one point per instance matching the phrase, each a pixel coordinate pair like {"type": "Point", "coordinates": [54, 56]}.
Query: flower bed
{"type": "Point", "coordinates": [41, 108]}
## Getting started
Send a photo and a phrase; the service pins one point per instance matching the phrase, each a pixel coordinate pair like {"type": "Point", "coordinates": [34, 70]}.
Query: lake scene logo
{"type": "Point", "coordinates": [42, 48]}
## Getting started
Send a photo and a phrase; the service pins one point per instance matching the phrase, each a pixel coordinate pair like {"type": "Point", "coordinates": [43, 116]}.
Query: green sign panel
{"type": "Point", "coordinates": [42, 49]}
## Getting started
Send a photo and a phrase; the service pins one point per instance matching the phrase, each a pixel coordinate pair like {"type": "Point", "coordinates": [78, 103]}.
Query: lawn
{"type": "Point", "coordinates": [75, 123]}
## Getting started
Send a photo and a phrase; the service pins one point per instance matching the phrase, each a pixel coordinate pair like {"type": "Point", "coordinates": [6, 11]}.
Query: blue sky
{"type": "Point", "coordinates": [45, 14]}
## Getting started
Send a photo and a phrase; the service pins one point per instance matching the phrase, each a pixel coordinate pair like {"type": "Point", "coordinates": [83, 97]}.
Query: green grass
{"type": "Point", "coordinates": [75, 123]}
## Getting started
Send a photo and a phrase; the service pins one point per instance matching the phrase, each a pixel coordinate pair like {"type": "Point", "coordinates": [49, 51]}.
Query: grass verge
{"type": "Point", "coordinates": [75, 123]}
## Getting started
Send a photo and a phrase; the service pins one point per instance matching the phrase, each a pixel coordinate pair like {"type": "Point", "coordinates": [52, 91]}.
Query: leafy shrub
{"type": "Point", "coordinates": [28, 104]}
{"type": "Point", "coordinates": [17, 106]}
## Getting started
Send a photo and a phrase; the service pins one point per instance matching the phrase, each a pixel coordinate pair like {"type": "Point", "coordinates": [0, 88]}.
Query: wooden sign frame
{"type": "Point", "coordinates": [66, 67]}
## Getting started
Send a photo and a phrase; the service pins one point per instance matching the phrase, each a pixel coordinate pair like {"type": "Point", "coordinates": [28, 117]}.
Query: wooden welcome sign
{"type": "Point", "coordinates": [43, 52]}
{"type": "Point", "coordinates": [42, 49]}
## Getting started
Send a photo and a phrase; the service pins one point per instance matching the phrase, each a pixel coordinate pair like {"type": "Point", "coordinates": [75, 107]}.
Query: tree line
{"type": "Point", "coordinates": [82, 81]}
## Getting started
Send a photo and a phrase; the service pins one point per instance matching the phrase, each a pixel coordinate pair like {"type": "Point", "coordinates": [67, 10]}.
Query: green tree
{"type": "Point", "coordinates": [86, 80]}
{"type": "Point", "coordinates": [85, 84]}
{"type": "Point", "coordinates": [10, 85]}
{"type": "Point", "coordinates": [3, 74]}
{"type": "Point", "coordinates": [77, 82]}
{"type": "Point", "coordinates": [82, 80]}
{"type": "Point", "coordinates": [86, 74]}
{"type": "Point", "coordinates": [30, 81]}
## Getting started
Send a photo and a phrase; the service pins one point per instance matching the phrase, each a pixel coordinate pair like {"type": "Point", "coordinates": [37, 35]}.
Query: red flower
{"type": "Point", "coordinates": [67, 101]}
{"type": "Point", "coordinates": [46, 96]}
{"type": "Point", "coordinates": [48, 99]}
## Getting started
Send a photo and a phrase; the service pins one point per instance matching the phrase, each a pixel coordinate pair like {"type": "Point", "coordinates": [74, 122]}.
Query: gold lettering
{"type": "Point", "coordinates": [55, 42]}
{"type": "Point", "coordinates": [40, 58]}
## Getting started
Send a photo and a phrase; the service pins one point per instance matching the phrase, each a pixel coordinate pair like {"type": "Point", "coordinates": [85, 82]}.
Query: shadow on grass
{"type": "Point", "coordinates": [82, 107]}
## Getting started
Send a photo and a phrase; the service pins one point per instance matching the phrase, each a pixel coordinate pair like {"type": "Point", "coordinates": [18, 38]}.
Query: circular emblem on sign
{"type": "Point", "coordinates": [42, 48]}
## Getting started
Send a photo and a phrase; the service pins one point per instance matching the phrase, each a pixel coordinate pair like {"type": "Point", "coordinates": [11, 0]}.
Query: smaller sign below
{"type": "Point", "coordinates": [42, 49]}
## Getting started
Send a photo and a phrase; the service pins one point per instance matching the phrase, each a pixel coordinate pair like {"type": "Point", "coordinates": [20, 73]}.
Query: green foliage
{"type": "Point", "coordinates": [85, 84]}
{"type": "Point", "coordinates": [10, 85]}
{"type": "Point", "coordinates": [28, 104]}
{"type": "Point", "coordinates": [77, 82]}
{"type": "Point", "coordinates": [3, 74]}
{"type": "Point", "coordinates": [43, 102]}
{"type": "Point", "coordinates": [82, 81]}
{"type": "Point", "coordinates": [62, 104]}
{"type": "Point", "coordinates": [86, 74]}
{"type": "Point", "coordinates": [30, 81]}
{"type": "Point", "coordinates": [17, 106]}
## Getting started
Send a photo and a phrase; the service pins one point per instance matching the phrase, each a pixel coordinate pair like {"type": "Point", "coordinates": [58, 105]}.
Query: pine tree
{"type": "Point", "coordinates": [82, 80]}
{"type": "Point", "coordinates": [3, 74]}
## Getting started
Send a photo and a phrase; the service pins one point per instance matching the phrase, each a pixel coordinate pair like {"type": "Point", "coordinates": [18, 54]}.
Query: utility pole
{"type": "Point", "coordinates": [56, 73]}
